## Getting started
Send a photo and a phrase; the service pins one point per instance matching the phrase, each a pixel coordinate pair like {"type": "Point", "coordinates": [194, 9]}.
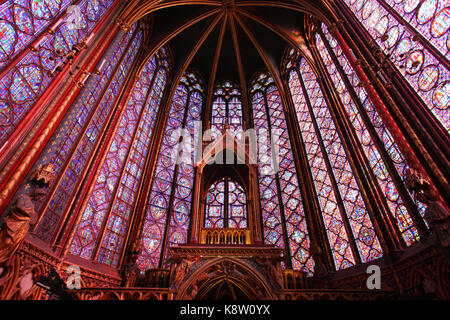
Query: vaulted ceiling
{"type": "Point", "coordinates": [228, 39]}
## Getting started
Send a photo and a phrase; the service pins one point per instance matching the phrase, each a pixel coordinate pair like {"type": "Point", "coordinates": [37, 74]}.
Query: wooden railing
{"type": "Point", "coordinates": [225, 236]}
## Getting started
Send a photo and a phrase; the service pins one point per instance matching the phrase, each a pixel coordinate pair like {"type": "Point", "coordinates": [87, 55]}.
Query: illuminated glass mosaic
{"type": "Point", "coordinates": [393, 25]}
{"type": "Point", "coordinates": [20, 22]}
{"type": "Point", "coordinates": [279, 187]}
{"type": "Point", "coordinates": [226, 205]}
{"type": "Point", "coordinates": [72, 144]}
{"type": "Point", "coordinates": [373, 153]}
{"type": "Point", "coordinates": [334, 181]}
{"type": "Point", "coordinates": [170, 197]}
{"type": "Point", "coordinates": [105, 220]}
{"type": "Point", "coordinates": [226, 108]}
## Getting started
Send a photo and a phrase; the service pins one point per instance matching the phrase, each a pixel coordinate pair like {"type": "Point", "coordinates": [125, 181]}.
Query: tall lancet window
{"type": "Point", "coordinates": [227, 107]}
{"type": "Point", "coordinates": [226, 205]}
{"type": "Point", "coordinates": [105, 218]}
{"type": "Point", "coordinates": [394, 25]}
{"type": "Point", "coordinates": [283, 215]}
{"type": "Point", "coordinates": [72, 145]}
{"type": "Point", "coordinates": [168, 209]}
{"type": "Point", "coordinates": [348, 226]}
{"type": "Point", "coordinates": [27, 73]}
{"type": "Point", "coordinates": [360, 111]}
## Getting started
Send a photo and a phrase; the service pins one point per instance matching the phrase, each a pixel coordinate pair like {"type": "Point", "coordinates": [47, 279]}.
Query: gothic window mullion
{"type": "Point", "coordinates": [80, 210]}
{"type": "Point", "coordinates": [251, 124]}
{"type": "Point", "coordinates": [191, 211]}
{"type": "Point", "coordinates": [155, 192]}
{"type": "Point", "coordinates": [416, 69]}
{"type": "Point", "coordinates": [102, 120]}
{"type": "Point", "coordinates": [129, 188]}
{"type": "Point", "coordinates": [286, 252]}
{"type": "Point", "coordinates": [358, 166]}
{"type": "Point", "coordinates": [392, 170]}
{"type": "Point", "coordinates": [227, 204]}
{"type": "Point", "coordinates": [395, 105]}
{"type": "Point", "coordinates": [138, 212]}
{"type": "Point", "coordinates": [83, 132]}
{"type": "Point", "coordinates": [52, 210]}
{"type": "Point", "coordinates": [420, 37]}
{"type": "Point", "coordinates": [162, 226]}
{"type": "Point", "coordinates": [122, 171]}
{"type": "Point", "coordinates": [332, 177]}
{"type": "Point", "coordinates": [307, 187]}
{"type": "Point", "coordinates": [24, 45]}
{"type": "Point", "coordinates": [100, 238]}
{"type": "Point", "coordinates": [227, 110]}
{"type": "Point", "coordinates": [172, 193]}
{"type": "Point", "coordinates": [391, 233]}
{"type": "Point", "coordinates": [24, 102]}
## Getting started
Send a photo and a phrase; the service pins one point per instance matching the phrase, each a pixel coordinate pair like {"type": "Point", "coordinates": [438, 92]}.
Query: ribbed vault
{"type": "Point", "coordinates": [227, 40]}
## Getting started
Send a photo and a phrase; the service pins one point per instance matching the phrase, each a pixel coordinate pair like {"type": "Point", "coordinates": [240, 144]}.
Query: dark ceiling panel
{"type": "Point", "coordinates": [169, 19]}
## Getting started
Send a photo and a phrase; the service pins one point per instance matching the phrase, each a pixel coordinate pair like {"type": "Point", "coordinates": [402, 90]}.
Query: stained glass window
{"type": "Point", "coordinates": [393, 24]}
{"type": "Point", "coordinates": [226, 108]}
{"type": "Point", "coordinates": [215, 205]}
{"type": "Point", "coordinates": [170, 197]}
{"type": "Point", "coordinates": [333, 176]}
{"type": "Point", "coordinates": [373, 153]}
{"type": "Point", "coordinates": [105, 220]}
{"type": "Point", "coordinates": [226, 205]}
{"type": "Point", "coordinates": [23, 83]}
{"type": "Point", "coordinates": [74, 140]}
{"type": "Point", "coordinates": [279, 189]}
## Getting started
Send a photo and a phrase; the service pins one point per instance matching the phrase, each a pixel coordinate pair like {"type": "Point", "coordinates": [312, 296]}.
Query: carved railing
{"type": "Point", "coordinates": [294, 279]}
{"type": "Point", "coordinates": [122, 294]}
{"type": "Point", "coordinates": [333, 294]}
{"type": "Point", "coordinates": [153, 278]}
{"type": "Point", "coordinates": [225, 236]}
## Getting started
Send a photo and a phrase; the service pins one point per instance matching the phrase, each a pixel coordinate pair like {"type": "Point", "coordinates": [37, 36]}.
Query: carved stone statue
{"type": "Point", "coordinates": [436, 214]}
{"type": "Point", "coordinates": [44, 175]}
{"type": "Point", "coordinates": [181, 270]}
{"type": "Point", "coordinates": [131, 269]}
{"type": "Point", "coordinates": [418, 185]}
{"type": "Point", "coordinates": [193, 292]}
{"type": "Point", "coordinates": [23, 214]}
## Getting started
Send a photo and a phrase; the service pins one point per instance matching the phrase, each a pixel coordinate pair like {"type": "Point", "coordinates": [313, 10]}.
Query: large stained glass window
{"type": "Point", "coordinates": [226, 205]}
{"type": "Point", "coordinates": [279, 189]}
{"type": "Point", "coordinates": [226, 108]}
{"type": "Point", "coordinates": [22, 21]}
{"type": "Point", "coordinates": [22, 84]}
{"type": "Point", "coordinates": [372, 151]}
{"type": "Point", "coordinates": [168, 209]}
{"type": "Point", "coordinates": [344, 211]}
{"type": "Point", "coordinates": [105, 219]}
{"type": "Point", "coordinates": [72, 144]}
{"type": "Point", "coordinates": [393, 24]}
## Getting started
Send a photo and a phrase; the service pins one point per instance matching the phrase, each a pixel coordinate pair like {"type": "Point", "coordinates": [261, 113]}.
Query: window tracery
{"type": "Point", "coordinates": [226, 205]}
{"type": "Point", "coordinates": [168, 209]}
{"type": "Point", "coordinates": [28, 78]}
{"type": "Point", "coordinates": [393, 25]}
